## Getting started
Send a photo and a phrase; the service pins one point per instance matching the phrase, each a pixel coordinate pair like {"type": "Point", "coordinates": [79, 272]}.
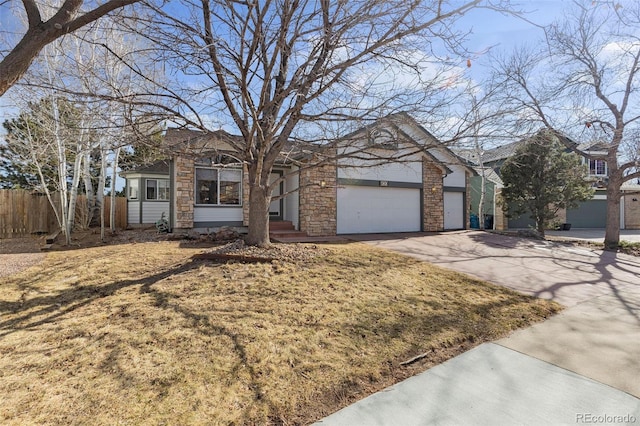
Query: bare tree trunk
{"type": "Point", "coordinates": [73, 196]}
{"type": "Point", "coordinates": [88, 188]}
{"type": "Point", "coordinates": [100, 191]}
{"type": "Point", "coordinates": [112, 206]}
{"type": "Point", "coordinates": [259, 200]}
{"type": "Point", "coordinates": [62, 171]}
{"type": "Point", "coordinates": [612, 230]}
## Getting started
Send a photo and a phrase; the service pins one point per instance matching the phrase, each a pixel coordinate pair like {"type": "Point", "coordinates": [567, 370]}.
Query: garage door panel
{"type": "Point", "coordinates": [363, 209]}
{"type": "Point", "coordinates": [589, 214]}
{"type": "Point", "coordinates": [453, 210]}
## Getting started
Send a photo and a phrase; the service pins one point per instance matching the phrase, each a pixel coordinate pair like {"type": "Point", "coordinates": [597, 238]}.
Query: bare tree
{"type": "Point", "coordinates": [80, 70]}
{"type": "Point", "coordinates": [584, 82]}
{"type": "Point", "coordinates": [285, 71]}
{"type": "Point", "coordinates": [44, 25]}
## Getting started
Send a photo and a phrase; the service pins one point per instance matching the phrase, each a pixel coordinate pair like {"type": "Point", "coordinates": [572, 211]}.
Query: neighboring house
{"type": "Point", "coordinates": [391, 176]}
{"type": "Point", "coordinates": [148, 193]}
{"type": "Point", "coordinates": [492, 215]}
{"type": "Point", "coordinates": [589, 214]}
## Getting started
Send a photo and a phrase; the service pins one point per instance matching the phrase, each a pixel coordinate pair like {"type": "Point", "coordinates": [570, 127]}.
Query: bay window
{"type": "Point", "coordinates": [157, 189]}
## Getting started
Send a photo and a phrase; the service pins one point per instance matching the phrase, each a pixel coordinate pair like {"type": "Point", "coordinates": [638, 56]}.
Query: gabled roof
{"type": "Point", "coordinates": [490, 174]}
{"type": "Point", "coordinates": [505, 151]}
{"type": "Point", "coordinates": [594, 148]}
{"type": "Point", "coordinates": [182, 140]}
{"type": "Point", "coordinates": [159, 167]}
{"type": "Point", "coordinates": [502, 152]}
{"type": "Point", "coordinates": [398, 120]}
{"type": "Point", "coordinates": [191, 142]}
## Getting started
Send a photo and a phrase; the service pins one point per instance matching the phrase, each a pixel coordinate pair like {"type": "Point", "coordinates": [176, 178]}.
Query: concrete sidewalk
{"type": "Point", "coordinates": [491, 385]}
{"type": "Point", "coordinates": [595, 234]}
{"type": "Point", "coordinates": [575, 368]}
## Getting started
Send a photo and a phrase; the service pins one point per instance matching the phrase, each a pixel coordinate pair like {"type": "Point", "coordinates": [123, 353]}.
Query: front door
{"type": "Point", "coordinates": [276, 206]}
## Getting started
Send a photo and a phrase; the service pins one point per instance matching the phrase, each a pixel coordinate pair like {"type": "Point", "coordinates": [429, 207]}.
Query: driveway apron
{"type": "Point", "coordinates": [580, 366]}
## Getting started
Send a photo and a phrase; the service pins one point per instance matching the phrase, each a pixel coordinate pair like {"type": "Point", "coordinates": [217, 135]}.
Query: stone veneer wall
{"type": "Point", "coordinates": [184, 191]}
{"type": "Point", "coordinates": [561, 216]}
{"type": "Point", "coordinates": [318, 204]}
{"type": "Point", "coordinates": [632, 211]}
{"type": "Point", "coordinates": [499, 218]}
{"type": "Point", "coordinates": [433, 198]}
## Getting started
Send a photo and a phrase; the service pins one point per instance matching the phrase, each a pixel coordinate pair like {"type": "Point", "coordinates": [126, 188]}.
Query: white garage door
{"type": "Point", "coordinates": [363, 209]}
{"type": "Point", "coordinates": [453, 210]}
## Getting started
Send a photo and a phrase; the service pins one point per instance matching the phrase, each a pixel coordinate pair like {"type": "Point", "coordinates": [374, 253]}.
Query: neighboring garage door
{"type": "Point", "coordinates": [590, 214]}
{"type": "Point", "coordinates": [523, 221]}
{"type": "Point", "coordinates": [364, 209]}
{"type": "Point", "coordinates": [453, 210]}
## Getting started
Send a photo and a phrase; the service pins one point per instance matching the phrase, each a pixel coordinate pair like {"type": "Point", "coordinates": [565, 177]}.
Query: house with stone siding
{"type": "Point", "coordinates": [389, 176]}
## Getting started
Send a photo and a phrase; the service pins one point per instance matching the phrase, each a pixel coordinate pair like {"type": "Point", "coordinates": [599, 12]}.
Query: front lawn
{"type": "Point", "coordinates": [141, 334]}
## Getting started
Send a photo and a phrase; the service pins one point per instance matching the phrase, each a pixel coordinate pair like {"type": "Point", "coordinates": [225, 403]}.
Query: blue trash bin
{"type": "Point", "coordinates": [474, 221]}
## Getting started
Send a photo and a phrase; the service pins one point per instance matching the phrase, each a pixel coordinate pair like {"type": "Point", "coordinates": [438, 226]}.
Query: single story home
{"type": "Point", "coordinates": [389, 176]}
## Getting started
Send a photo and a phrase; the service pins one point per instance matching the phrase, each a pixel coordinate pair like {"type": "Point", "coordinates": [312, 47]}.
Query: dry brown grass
{"type": "Point", "coordinates": [137, 333]}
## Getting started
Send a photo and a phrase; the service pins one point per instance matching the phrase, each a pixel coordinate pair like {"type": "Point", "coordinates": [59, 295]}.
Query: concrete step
{"type": "Point", "coordinates": [285, 232]}
{"type": "Point", "coordinates": [287, 235]}
{"type": "Point", "coordinates": [281, 225]}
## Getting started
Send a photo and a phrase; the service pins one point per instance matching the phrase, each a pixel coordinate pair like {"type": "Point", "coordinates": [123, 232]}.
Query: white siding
{"type": "Point", "coordinates": [291, 201]}
{"type": "Point", "coordinates": [457, 178]}
{"type": "Point", "coordinates": [363, 209]}
{"type": "Point", "coordinates": [133, 212]}
{"type": "Point", "coordinates": [409, 169]}
{"type": "Point", "coordinates": [152, 211]}
{"type": "Point", "coordinates": [217, 214]}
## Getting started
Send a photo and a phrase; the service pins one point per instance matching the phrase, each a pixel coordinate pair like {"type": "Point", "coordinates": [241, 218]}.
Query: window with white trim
{"type": "Point", "coordinates": [218, 181]}
{"type": "Point", "coordinates": [597, 167]}
{"type": "Point", "coordinates": [157, 189]}
{"type": "Point", "coordinates": [132, 189]}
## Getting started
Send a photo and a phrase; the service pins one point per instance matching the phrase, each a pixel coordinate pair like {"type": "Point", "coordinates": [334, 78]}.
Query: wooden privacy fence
{"type": "Point", "coordinates": [24, 212]}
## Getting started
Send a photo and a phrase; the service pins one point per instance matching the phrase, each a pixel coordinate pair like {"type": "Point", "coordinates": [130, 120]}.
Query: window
{"type": "Point", "coordinates": [597, 167]}
{"type": "Point", "coordinates": [132, 189]}
{"type": "Point", "coordinates": [157, 189]}
{"type": "Point", "coordinates": [220, 183]}
{"type": "Point", "coordinates": [383, 138]}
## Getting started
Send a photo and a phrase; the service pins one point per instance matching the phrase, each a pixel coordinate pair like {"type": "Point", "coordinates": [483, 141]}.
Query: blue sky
{"type": "Point", "coordinates": [505, 32]}
{"type": "Point", "coordinates": [489, 29]}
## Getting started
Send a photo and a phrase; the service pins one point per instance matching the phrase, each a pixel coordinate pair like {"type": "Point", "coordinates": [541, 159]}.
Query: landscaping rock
{"type": "Point", "coordinates": [225, 234]}
{"type": "Point", "coordinates": [529, 233]}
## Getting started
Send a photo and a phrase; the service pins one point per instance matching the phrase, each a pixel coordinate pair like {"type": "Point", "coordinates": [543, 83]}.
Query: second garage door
{"type": "Point", "coordinates": [366, 209]}
{"type": "Point", "coordinates": [589, 214]}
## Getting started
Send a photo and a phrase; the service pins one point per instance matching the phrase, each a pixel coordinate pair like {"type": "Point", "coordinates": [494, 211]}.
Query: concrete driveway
{"type": "Point", "coordinates": [580, 364]}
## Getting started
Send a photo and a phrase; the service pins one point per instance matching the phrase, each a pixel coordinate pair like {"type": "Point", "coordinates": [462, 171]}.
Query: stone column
{"type": "Point", "coordinates": [318, 200]}
{"type": "Point", "coordinates": [185, 192]}
{"type": "Point", "coordinates": [632, 211]}
{"type": "Point", "coordinates": [433, 197]}
{"type": "Point", "coordinates": [499, 219]}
